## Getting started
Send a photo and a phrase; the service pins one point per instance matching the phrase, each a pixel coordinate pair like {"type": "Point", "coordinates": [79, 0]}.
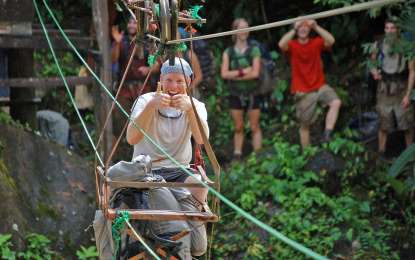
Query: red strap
{"type": "Point", "coordinates": [199, 160]}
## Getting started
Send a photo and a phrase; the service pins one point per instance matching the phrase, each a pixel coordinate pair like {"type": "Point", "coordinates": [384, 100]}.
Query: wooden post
{"type": "Point", "coordinates": [16, 18]}
{"type": "Point", "coordinates": [21, 65]}
{"type": "Point", "coordinates": [101, 22]}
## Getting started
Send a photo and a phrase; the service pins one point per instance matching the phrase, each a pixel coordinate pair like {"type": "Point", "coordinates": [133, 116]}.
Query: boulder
{"type": "Point", "coordinates": [44, 188]}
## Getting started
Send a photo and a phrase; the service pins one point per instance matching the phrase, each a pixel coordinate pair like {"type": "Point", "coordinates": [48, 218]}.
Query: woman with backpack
{"type": "Point", "coordinates": [241, 64]}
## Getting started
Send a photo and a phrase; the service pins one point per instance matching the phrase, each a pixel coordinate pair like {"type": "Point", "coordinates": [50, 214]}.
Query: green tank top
{"type": "Point", "coordinates": [239, 61]}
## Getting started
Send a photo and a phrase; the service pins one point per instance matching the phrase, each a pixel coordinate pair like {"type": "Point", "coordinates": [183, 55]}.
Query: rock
{"type": "Point", "coordinates": [331, 165]}
{"type": "Point", "coordinates": [35, 194]}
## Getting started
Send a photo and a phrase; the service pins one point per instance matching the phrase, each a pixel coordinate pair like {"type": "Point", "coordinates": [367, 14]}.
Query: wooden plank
{"type": "Point", "coordinates": [147, 185]}
{"type": "Point", "coordinates": [39, 42]}
{"type": "Point", "coordinates": [164, 215]}
{"type": "Point", "coordinates": [20, 101]}
{"type": "Point", "coordinates": [16, 28]}
{"type": "Point", "coordinates": [44, 82]}
{"type": "Point", "coordinates": [140, 256]}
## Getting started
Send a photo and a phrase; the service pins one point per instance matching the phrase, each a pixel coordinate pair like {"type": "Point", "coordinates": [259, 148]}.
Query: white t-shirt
{"type": "Point", "coordinates": [173, 134]}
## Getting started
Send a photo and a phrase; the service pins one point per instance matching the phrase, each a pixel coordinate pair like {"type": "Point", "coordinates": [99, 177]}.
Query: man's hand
{"type": "Point", "coordinates": [160, 100]}
{"type": "Point", "coordinates": [116, 34]}
{"type": "Point", "coordinates": [406, 102]}
{"type": "Point", "coordinates": [181, 102]}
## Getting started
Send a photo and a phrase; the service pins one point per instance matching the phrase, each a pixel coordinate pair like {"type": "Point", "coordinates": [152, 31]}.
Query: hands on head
{"type": "Point", "coordinates": [309, 22]}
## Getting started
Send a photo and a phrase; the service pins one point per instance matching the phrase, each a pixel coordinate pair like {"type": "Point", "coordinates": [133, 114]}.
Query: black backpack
{"type": "Point", "coordinates": [268, 73]}
{"type": "Point", "coordinates": [207, 63]}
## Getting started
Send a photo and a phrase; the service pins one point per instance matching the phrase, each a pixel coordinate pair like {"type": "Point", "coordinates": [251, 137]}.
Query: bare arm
{"type": "Point", "coordinates": [252, 72]}
{"type": "Point", "coordinates": [115, 51]}
{"type": "Point", "coordinates": [283, 43]}
{"type": "Point", "coordinates": [327, 37]}
{"type": "Point", "coordinates": [374, 70]}
{"type": "Point", "coordinates": [411, 78]}
{"type": "Point", "coordinates": [406, 101]}
{"type": "Point", "coordinates": [196, 70]}
{"type": "Point", "coordinates": [224, 70]}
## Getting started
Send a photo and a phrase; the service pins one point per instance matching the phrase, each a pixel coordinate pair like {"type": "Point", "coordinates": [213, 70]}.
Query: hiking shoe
{"type": "Point", "coordinates": [236, 157]}
{"type": "Point", "coordinates": [326, 138]}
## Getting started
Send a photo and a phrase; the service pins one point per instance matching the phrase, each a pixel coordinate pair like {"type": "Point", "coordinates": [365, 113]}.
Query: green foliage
{"type": "Point", "coordinates": [277, 187]}
{"type": "Point", "coordinates": [403, 165]}
{"type": "Point", "coordinates": [47, 66]}
{"type": "Point", "coordinates": [5, 251]}
{"type": "Point", "coordinates": [37, 248]}
{"type": "Point", "coordinates": [87, 253]}
{"type": "Point", "coordinates": [8, 120]}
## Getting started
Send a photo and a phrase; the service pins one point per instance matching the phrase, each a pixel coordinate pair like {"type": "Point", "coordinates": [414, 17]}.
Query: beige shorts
{"type": "Point", "coordinates": [392, 114]}
{"type": "Point", "coordinates": [306, 103]}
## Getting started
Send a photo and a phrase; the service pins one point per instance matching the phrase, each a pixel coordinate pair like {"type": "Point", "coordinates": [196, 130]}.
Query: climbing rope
{"type": "Point", "coordinates": [65, 83]}
{"type": "Point", "coordinates": [338, 11]}
{"type": "Point", "coordinates": [117, 226]}
{"type": "Point", "coordinates": [239, 210]}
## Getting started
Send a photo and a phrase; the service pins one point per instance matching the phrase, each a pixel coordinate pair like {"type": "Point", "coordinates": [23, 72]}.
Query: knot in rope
{"type": "Point", "coordinates": [117, 226]}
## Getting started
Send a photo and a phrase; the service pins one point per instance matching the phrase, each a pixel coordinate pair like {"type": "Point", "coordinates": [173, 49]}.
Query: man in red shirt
{"type": "Point", "coordinates": [307, 77]}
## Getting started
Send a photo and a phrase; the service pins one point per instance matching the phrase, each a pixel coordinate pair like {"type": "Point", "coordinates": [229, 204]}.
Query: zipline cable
{"type": "Point", "coordinates": [325, 14]}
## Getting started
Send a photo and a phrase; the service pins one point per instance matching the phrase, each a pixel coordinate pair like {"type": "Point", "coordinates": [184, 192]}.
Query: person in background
{"type": "Point", "coordinates": [241, 64]}
{"type": "Point", "coordinates": [191, 57]}
{"type": "Point", "coordinates": [395, 76]}
{"type": "Point", "coordinates": [308, 83]}
{"type": "Point", "coordinates": [121, 51]}
{"type": "Point", "coordinates": [83, 96]}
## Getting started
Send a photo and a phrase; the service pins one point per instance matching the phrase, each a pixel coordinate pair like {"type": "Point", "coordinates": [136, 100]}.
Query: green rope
{"type": "Point", "coordinates": [240, 211]}
{"type": "Point", "coordinates": [181, 47]}
{"type": "Point", "coordinates": [66, 84]}
{"type": "Point", "coordinates": [194, 11]}
{"type": "Point", "coordinates": [153, 57]}
{"type": "Point", "coordinates": [157, 7]}
{"type": "Point", "coordinates": [118, 225]}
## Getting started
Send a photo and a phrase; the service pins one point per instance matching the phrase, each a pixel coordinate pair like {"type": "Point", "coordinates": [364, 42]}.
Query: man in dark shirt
{"type": "Point", "coordinates": [122, 48]}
